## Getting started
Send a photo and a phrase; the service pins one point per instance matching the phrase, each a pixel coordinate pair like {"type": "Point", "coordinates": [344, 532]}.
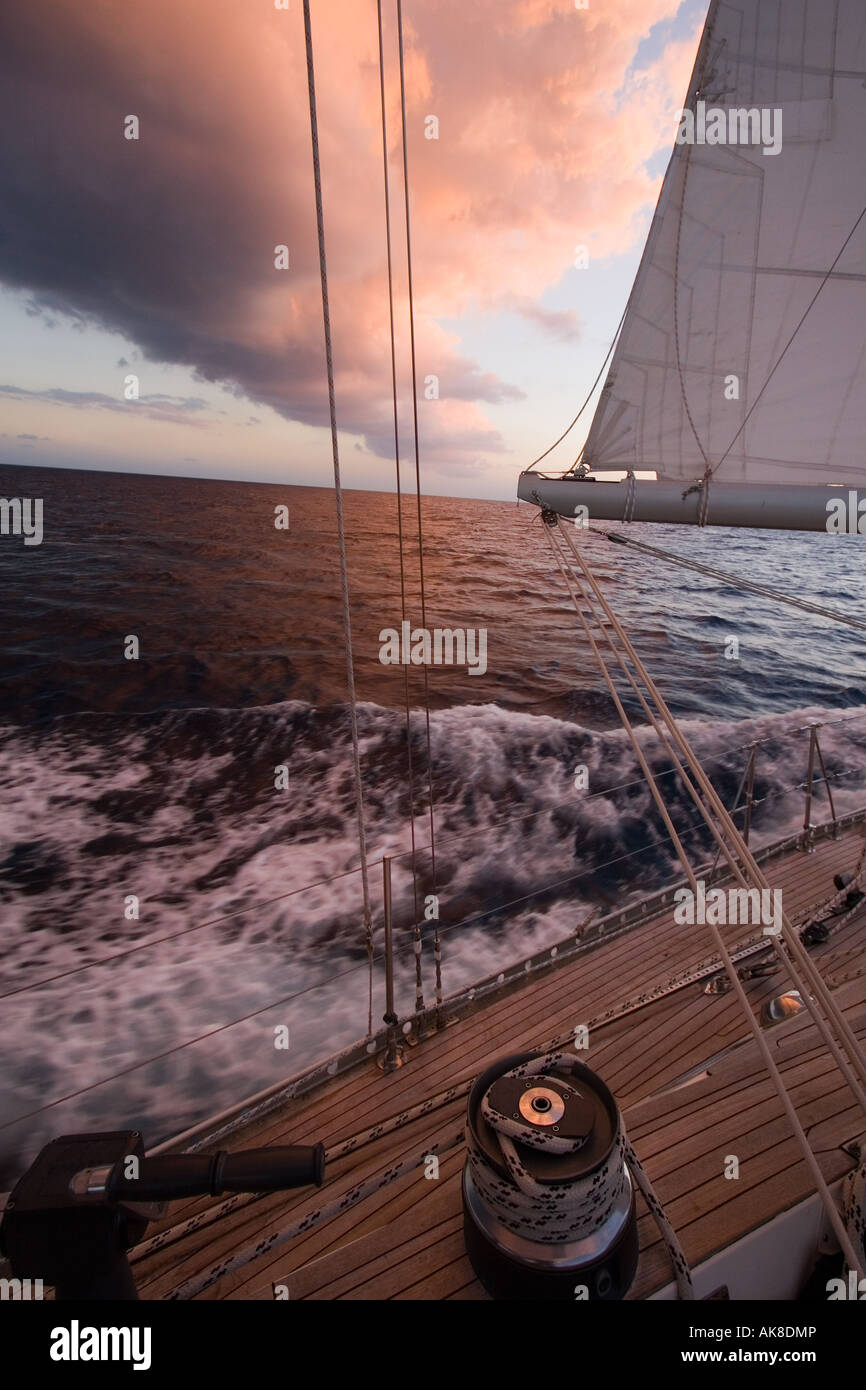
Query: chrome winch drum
{"type": "Point", "coordinates": [510, 1255]}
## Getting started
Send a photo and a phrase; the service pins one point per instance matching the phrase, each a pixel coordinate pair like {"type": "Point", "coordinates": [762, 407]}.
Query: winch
{"type": "Point", "coordinates": [548, 1200]}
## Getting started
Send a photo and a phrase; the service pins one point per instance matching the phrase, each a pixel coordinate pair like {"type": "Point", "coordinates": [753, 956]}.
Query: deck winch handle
{"type": "Point", "coordinates": [169, 1176]}
{"type": "Point", "coordinates": [87, 1199]}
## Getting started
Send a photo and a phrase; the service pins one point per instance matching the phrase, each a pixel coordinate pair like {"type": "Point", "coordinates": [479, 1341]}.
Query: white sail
{"type": "Point", "coordinates": [743, 236]}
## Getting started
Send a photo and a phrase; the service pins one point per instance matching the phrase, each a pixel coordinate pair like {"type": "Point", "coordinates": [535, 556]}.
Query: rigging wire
{"type": "Point", "coordinates": [784, 1096]}
{"type": "Point", "coordinates": [702, 66]}
{"type": "Point", "coordinates": [737, 580]}
{"type": "Point", "coordinates": [709, 804]}
{"type": "Point", "coordinates": [419, 987]}
{"type": "Point", "coordinates": [437, 951]}
{"type": "Point", "coordinates": [338, 496]}
{"type": "Point", "coordinates": [589, 397]}
{"type": "Point", "coordinates": [615, 339]}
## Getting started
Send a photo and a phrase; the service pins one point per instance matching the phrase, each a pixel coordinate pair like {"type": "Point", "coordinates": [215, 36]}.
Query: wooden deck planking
{"type": "Point", "coordinates": [358, 1253]}
{"type": "Point", "coordinates": [591, 969]}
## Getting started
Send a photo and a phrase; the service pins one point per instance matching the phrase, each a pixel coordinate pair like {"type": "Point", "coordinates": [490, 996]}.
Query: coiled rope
{"type": "Point", "coordinates": [628, 513]}
{"type": "Point", "coordinates": [549, 1213]}
{"type": "Point", "coordinates": [569, 1211]}
{"type": "Point", "coordinates": [584, 1207]}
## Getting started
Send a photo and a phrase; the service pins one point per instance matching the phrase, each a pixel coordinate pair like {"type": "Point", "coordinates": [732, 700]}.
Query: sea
{"type": "Point", "coordinates": [182, 908]}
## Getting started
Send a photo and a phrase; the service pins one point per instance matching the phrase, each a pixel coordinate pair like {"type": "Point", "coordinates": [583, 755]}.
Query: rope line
{"type": "Point", "coordinates": [342, 1149]}
{"type": "Point", "coordinates": [277, 1239]}
{"type": "Point", "coordinates": [725, 828]}
{"type": "Point", "coordinates": [338, 496]}
{"type": "Point", "coordinates": [713, 810]}
{"type": "Point", "coordinates": [728, 829]}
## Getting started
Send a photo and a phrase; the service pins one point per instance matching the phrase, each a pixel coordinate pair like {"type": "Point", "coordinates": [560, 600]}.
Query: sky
{"type": "Point", "coordinates": [154, 258]}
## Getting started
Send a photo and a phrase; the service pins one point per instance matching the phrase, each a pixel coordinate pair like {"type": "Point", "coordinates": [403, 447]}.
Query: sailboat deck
{"type": "Point", "coordinates": [406, 1241]}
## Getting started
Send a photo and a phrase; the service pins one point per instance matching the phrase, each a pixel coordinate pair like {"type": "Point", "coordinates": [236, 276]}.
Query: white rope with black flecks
{"type": "Point", "coordinates": [552, 1213]}
{"type": "Point", "coordinates": [854, 1201]}
{"type": "Point", "coordinates": [326, 1212]}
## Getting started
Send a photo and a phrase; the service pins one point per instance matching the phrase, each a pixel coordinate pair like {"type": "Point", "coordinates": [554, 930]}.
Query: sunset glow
{"type": "Point", "coordinates": [155, 256]}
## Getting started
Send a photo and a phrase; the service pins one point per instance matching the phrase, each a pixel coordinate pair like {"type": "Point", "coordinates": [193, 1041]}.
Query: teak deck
{"type": "Point", "coordinates": [406, 1240]}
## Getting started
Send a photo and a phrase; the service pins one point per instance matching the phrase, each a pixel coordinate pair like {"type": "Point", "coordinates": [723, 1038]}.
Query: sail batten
{"type": "Point", "coordinates": [743, 348]}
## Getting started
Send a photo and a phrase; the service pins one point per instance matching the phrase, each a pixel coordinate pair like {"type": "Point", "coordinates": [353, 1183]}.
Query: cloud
{"type": "Point", "coordinates": [175, 409]}
{"type": "Point", "coordinates": [561, 324]}
{"type": "Point", "coordinates": [169, 239]}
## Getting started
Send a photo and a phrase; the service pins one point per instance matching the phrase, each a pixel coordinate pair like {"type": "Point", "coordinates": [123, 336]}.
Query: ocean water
{"type": "Point", "coordinates": [154, 778]}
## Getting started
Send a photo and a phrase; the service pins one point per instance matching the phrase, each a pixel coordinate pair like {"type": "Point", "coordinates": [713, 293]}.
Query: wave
{"type": "Point", "coordinates": [175, 816]}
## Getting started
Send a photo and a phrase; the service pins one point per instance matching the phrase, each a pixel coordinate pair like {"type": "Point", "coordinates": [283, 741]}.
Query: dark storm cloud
{"type": "Point", "coordinates": [169, 239]}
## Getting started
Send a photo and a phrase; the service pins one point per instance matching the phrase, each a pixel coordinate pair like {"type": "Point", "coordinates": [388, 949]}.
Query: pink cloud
{"type": "Point", "coordinates": [170, 239]}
